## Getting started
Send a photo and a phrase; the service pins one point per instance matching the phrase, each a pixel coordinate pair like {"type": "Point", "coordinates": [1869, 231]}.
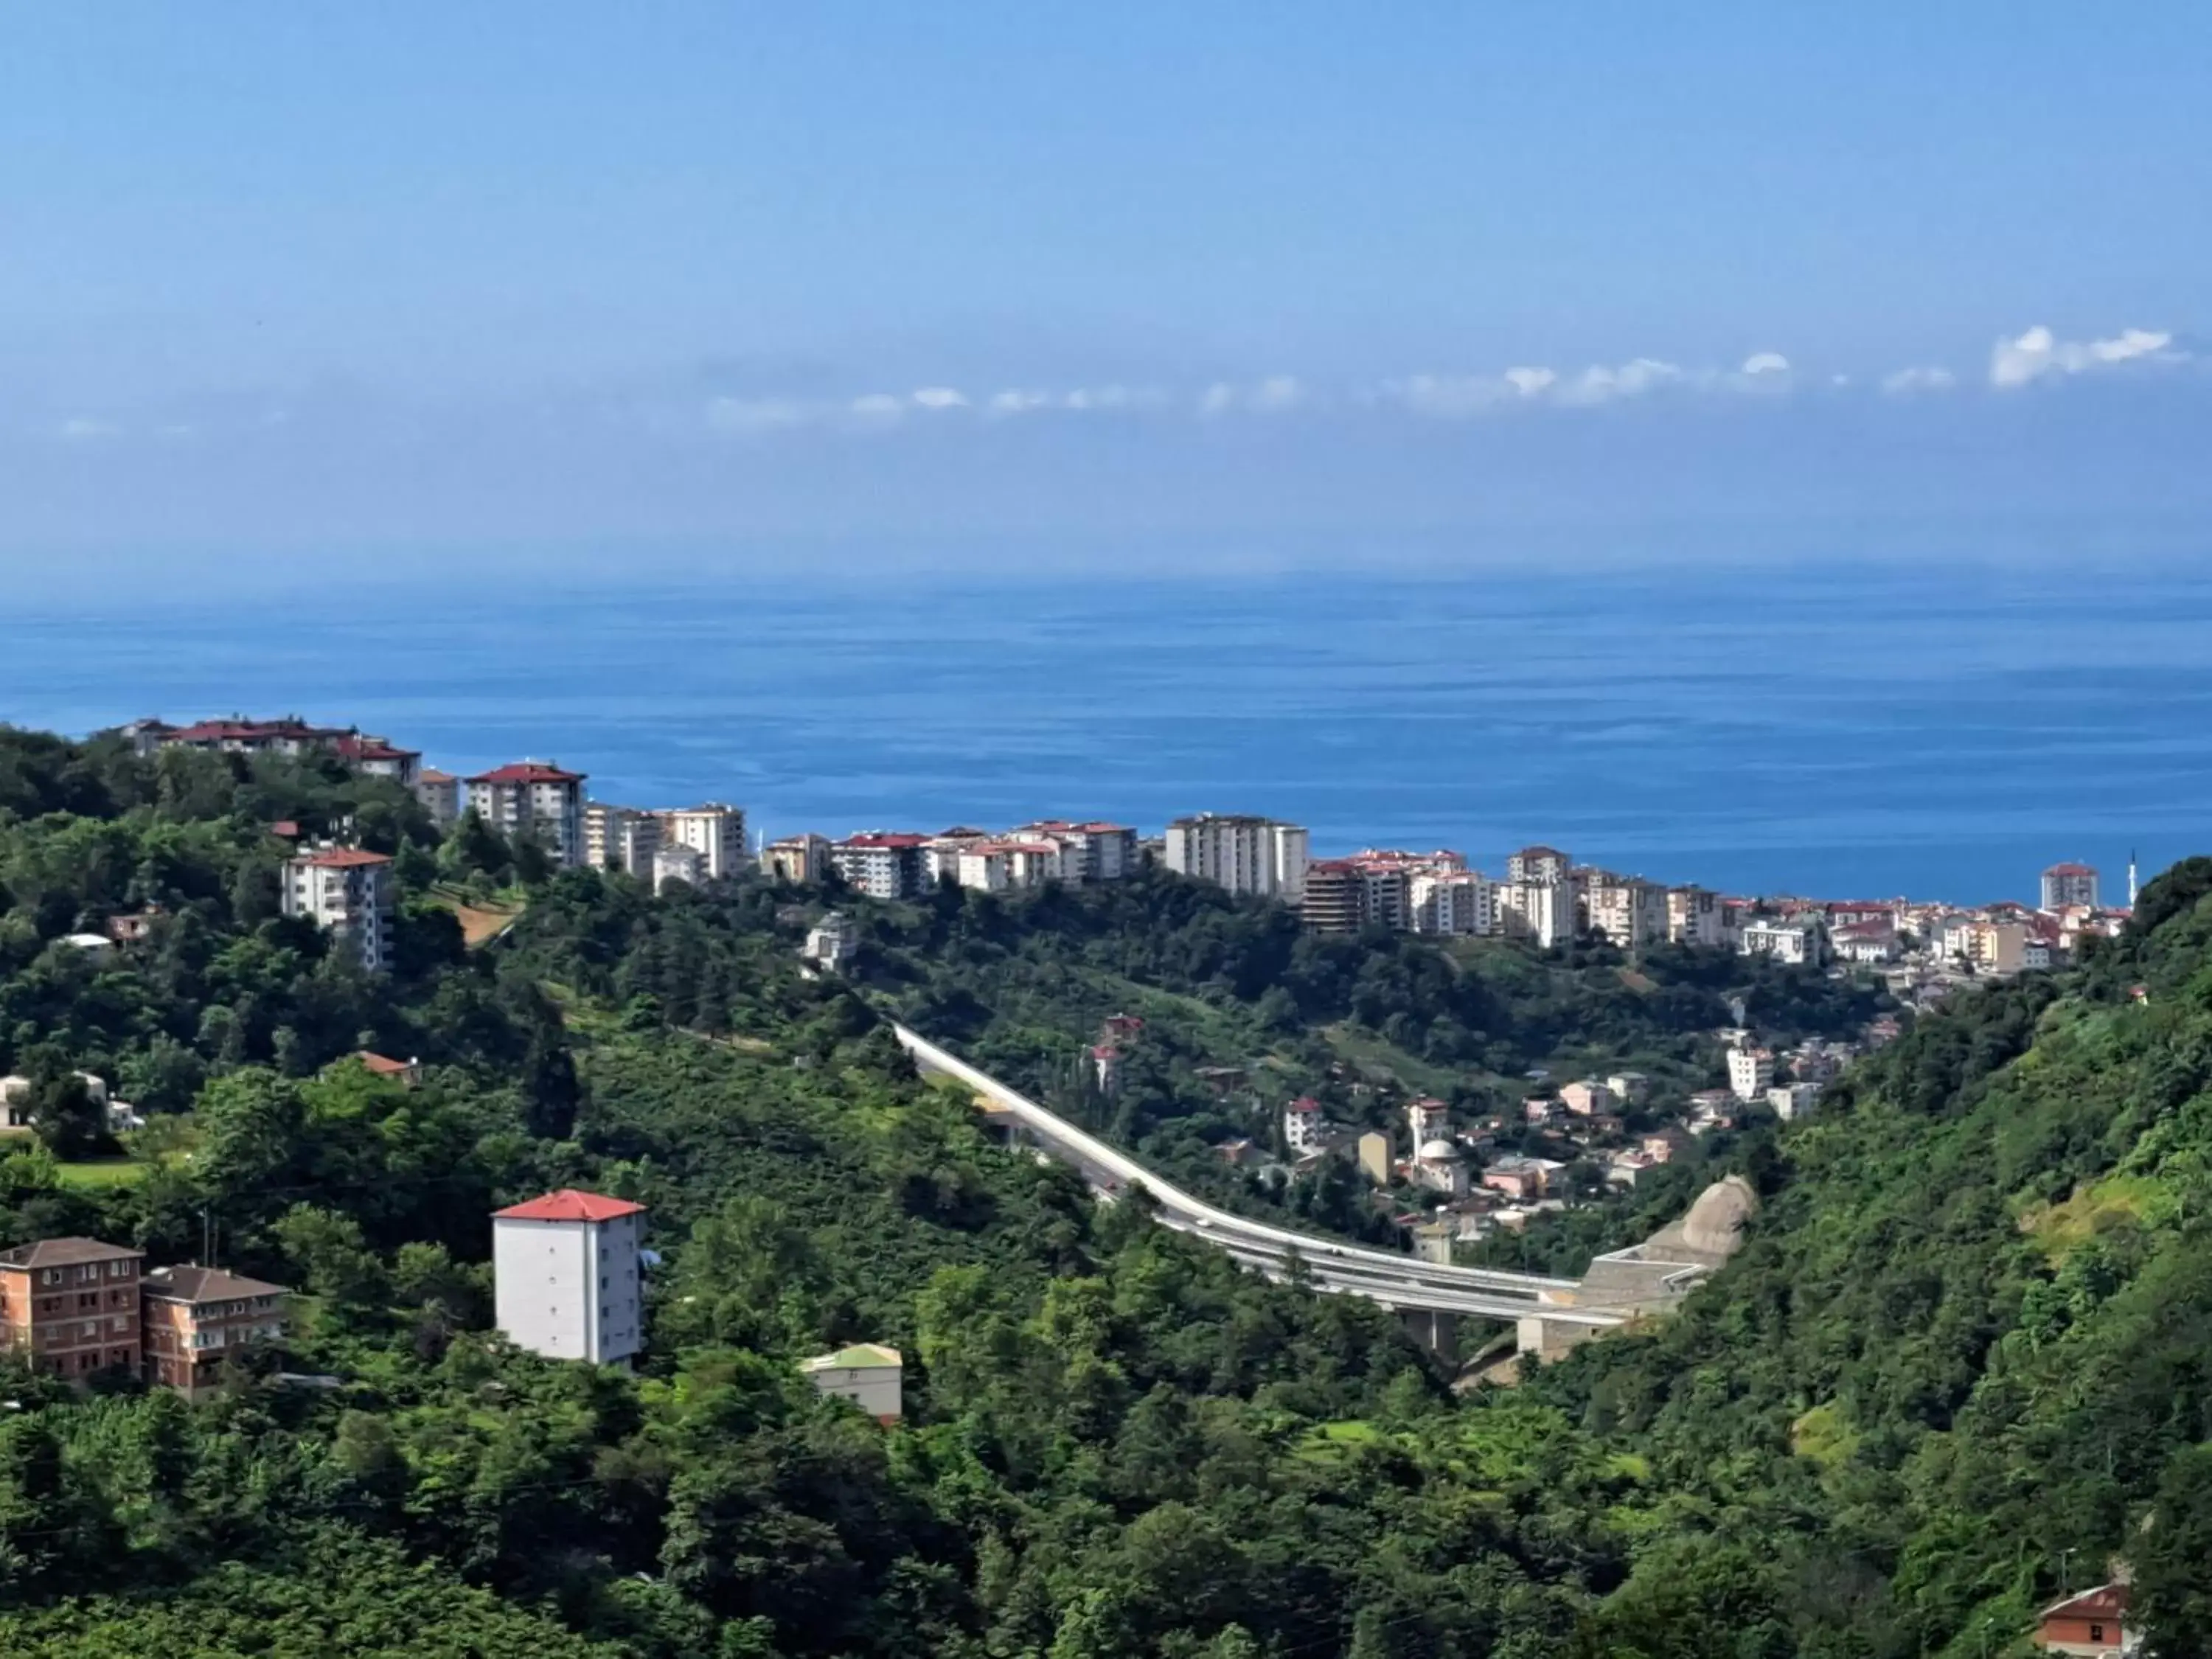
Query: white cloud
{"type": "Point", "coordinates": [940, 397]}
{"type": "Point", "coordinates": [1600, 384]}
{"type": "Point", "coordinates": [1765, 362]}
{"type": "Point", "coordinates": [1218, 400]}
{"type": "Point", "coordinates": [1014, 401]}
{"type": "Point", "coordinates": [877, 406]}
{"type": "Point", "coordinates": [1919, 378]}
{"type": "Point", "coordinates": [1276, 393]}
{"type": "Point", "coordinates": [83, 428]}
{"type": "Point", "coordinates": [1530, 382]}
{"type": "Point", "coordinates": [2038, 352]}
{"type": "Point", "coordinates": [749, 416]}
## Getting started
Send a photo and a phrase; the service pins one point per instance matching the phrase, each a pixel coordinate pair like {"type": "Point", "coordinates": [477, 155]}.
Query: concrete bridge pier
{"type": "Point", "coordinates": [1548, 1339]}
{"type": "Point", "coordinates": [1437, 1332]}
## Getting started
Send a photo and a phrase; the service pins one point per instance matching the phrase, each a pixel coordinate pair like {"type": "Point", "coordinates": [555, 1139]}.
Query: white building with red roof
{"type": "Point", "coordinates": [378, 757]}
{"type": "Point", "coordinates": [881, 863]}
{"type": "Point", "coordinates": [566, 1279]}
{"type": "Point", "coordinates": [538, 800]}
{"type": "Point", "coordinates": [349, 894]}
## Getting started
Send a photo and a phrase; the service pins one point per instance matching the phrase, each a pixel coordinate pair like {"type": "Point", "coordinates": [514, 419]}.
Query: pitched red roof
{"type": "Point", "coordinates": [527, 772]}
{"type": "Point", "coordinates": [569, 1205]}
{"type": "Point", "coordinates": [384, 1065]}
{"type": "Point", "coordinates": [342, 857]}
{"type": "Point", "coordinates": [247, 730]}
{"type": "Point", "coordinates": [432, 775]}
{"type": "Point", "coordinates": [2070, 870]}
{"type": "Point", "coordinates": [2106, 1601]}
{"type": "Point", "coordinates": [876, 839]}
{"type": "Point", "coordinates": [1304, 1104]}
{"type": "Point", "coordinates": [373, 749]}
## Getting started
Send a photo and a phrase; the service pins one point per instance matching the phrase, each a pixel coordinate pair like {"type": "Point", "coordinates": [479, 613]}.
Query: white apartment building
{"type": "Point", "coordinates": [538, 800]}
{"type": "Point", "coordinates": [2069, 884]}
{"type": "Point", "coordinates": [1543, 911]}
{"type": "Point", "coordinates": [982, 866]}
{"type": "Point", "coordinates": [1539, 864]}
{"type": "Point", "coordinates": [1459, 902]}
{"type": "Point", "coordinates": [1091, 852]}
{"type": "Point", "coordinates": [350, 895]}
{"type": "Point", "coordinates": [673, 861]}
{"type": "Point", "coordinates": [880, 865]}
{"type": "Point", "coordinates": [1426, 1120]}
{"type": "Point", "coordinates": [1242, 853]}
{"type": "Point", "coordinates": [1751, 1071]}
{"type": "Point", "coordinates": [1792, 1101]}
{"type": "Point", "coordinates": [566, 1270]}
{"type": "Point", "coordinates": [1793, 942]}
{"type": "Point", "coordinates": [441, 795]}
{"type": "Point", "coordinates": [1304, 1126]}
{"type": "Point", "coordinates": [715, 832]}
{"type": "Point", "coordinates": [1630, 913]}
{"type": "Point", "coordinates": [621, 838]}
{"type": "Point", "coordinates": [1695, 915]}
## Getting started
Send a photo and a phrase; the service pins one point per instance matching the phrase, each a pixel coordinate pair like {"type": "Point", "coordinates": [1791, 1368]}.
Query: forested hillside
{"type": "Point", "coordinates": [1023, 984]}
{"type": "Point", "coordinates": [1967, 1352]}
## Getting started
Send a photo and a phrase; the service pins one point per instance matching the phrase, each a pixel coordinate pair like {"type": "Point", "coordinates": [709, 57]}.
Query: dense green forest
{"type": "Point", "coordinates": [1967, 1353]}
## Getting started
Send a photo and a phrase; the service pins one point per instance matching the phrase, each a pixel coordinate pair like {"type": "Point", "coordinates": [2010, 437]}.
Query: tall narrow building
{"type": "Point", "coordinates": [566, 1273]}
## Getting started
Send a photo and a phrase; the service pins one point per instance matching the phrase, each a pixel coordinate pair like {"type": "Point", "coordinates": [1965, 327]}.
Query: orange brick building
{"type": "Point", "coordinates": [72, 1304]}
{"type": "Point", "coordinates": [2091, 1626]}
{"type": "Point", "coordinates": [198, 1317]}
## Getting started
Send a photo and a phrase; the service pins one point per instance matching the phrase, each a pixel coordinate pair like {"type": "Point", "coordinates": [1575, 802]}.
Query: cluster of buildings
{"type": "Point", "coordinates": [888, 864]}
{"type": "Point", "coordinates": [74, 1306]}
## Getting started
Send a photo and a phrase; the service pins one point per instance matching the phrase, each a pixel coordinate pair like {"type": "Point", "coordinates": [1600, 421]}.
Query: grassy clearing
{"type": "Point", "coordinates": [482, 920]}
{"type": "Point", "coordinates": [2058, 1229]}
{"type": "Point", "coordinates": [105, 1172]}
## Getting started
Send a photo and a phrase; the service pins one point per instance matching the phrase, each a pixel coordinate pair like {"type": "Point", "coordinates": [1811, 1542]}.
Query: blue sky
{"type": "Point", "coordinates": [282, 277]}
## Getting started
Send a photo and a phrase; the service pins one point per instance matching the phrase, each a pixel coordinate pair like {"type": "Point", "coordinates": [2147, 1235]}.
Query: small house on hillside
{"type": "Point", "coordinates": [868, 1374]}
{"type": "Point", "coordinates": [2093, 1624]}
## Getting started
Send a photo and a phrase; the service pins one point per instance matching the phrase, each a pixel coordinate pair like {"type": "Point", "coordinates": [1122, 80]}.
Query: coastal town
{"type": "Point", "coordinates": [1448, 1175]}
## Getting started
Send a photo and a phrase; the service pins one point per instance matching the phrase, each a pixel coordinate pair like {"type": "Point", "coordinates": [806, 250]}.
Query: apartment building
{"type": "Point", "coordinates": [441, 796]}
{"type": "Point", "coordinates": [621, 838]}
{"type": "Point", "coordinates": [378, 757]}
{"type": "Point", "coordinates": [1695, 915]}
{"type": "Point", "coordinates": [1751, 1071]}
{"type": "Point", "coordinates": [715, 831]}
{"type": "Point", "coordinates": [832, 942]}
{"type": "Point", "coordinates": [798, 858]}
{"type": "Point", "coordinates": [1796, 943]}
{"type": "Point", "coordinates": [673, 861]}
{"type": "Point", "coordinates": [2065, 885]}
{"type": "Point", "coordinates": [567, 1280]}
{"type": "Point", "coordinates": [193, 1318]}
{"type": "Point", "coordinates": [349, 894]}
{"type": "Point", "coordinates": [1335, 897]}
{"type": "Point", "coordinates": [1093, 852]}
{"type": "Point", "coordinates": [868, 1374]}
{"type": "Point", "coordinates": [1304, 1127]}
{"type": "Point", "coordinates": [1630, 913]}
{"type": "Point", "coordinates": [1460, 902]}
{"type": "Point", "coordinates": [880, 864]}
{"type": "Point", "coordinates": [1242, 853]}
{"type": "Point", "coordinates": [1540, 911]}
{"type": "Point", "coordinates": [239, 736]}
{"type": "Point", "coordinates": [70, 1305]}
{"type": "Point", "coordinates": [1539, 864]}
{"type": "Point", "coordinates": [535, 799]}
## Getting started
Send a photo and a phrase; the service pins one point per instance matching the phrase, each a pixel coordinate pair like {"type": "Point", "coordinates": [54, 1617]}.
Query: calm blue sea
{"type": "Point", "coordinates": [1937, 731]}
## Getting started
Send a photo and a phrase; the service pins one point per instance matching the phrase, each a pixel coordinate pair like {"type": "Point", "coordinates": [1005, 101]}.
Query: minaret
{"type": "Point", "coordinates": [2131, 878]}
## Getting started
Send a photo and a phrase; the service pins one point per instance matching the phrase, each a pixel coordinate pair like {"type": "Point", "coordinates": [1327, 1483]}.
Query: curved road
{"type": "Point", "coordinates": [1396, 1282]}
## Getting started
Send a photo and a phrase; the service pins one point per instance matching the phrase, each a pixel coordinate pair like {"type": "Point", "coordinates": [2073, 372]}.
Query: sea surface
{"type": "Point", "coordinates": [1940, 732]}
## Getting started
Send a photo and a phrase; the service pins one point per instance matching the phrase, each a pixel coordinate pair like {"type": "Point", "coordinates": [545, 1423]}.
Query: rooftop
{"type": "Point", "coordinates": [197, 1284]}
{"type": "Point", "coordinates": [569, 1205]}
{"type": "Point", "coordinates": [861, 1356]}
{"type": "Point", "coordinates": [527, 772]}
{"type": "Point", "coordinates": [65, 1253]}
{"type": "Point", "coordinates": [342, 857]}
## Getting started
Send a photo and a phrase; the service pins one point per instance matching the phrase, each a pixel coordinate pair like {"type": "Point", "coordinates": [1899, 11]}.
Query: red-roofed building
{"type": "Point", "coordinates": [349, 894]}
{"type": "Point", "coordinates": [1091, 852]}
{"type": "Point", "coordinates": [441, 795]}
{"type": "Point", "coordinates": [1304, 1125]}
{"type": "Point", "coordinates": [406, 1072]}
{"type": "Point", "coordinates": [566, 1270]}
{"type": "Point", "coordinates": [2093, 1624]}
{"type": "Point", "coordinates": [538, 800]}
{"type": "Point", "coordinates": [378, 759]}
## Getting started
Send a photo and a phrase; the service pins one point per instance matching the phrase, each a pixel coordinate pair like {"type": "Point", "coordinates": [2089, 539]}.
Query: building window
{"type": "Point", "coordinates": [2096, 1632]}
